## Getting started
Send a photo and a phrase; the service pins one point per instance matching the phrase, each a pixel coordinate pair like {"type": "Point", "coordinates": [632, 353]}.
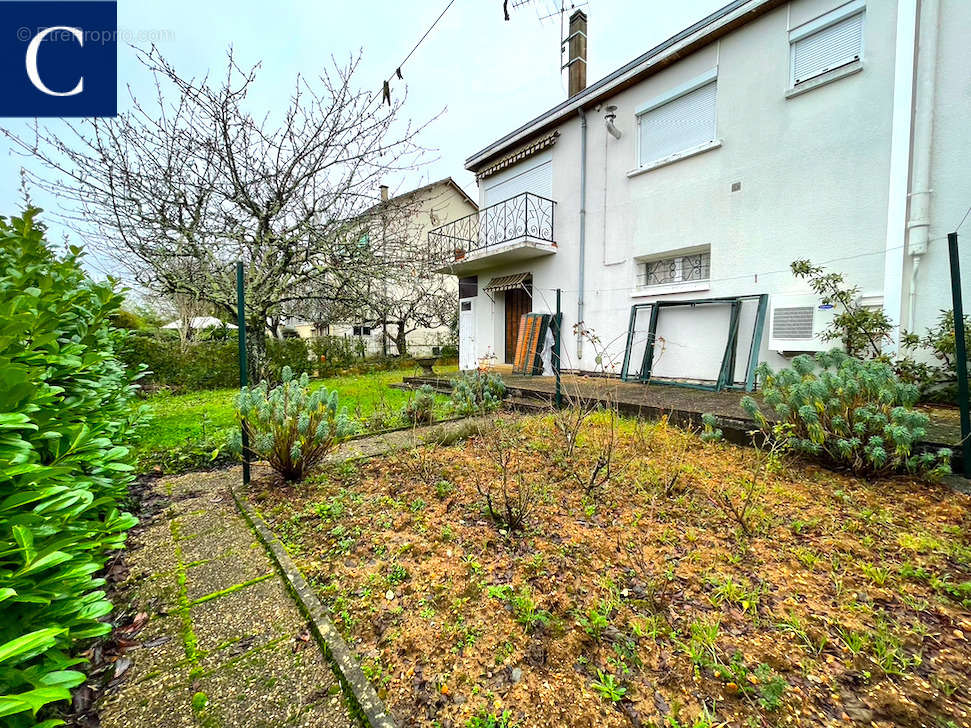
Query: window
{"type": "Point", "coordinates": [826, 43]}
{"type": "Point", "coordinates": [469, 287]}
{"type": "Point", "coordinates": [682, 120]}
{"type": "Point", "coordinates": [362, 331]}
{"type": "Point", "coordinates": [685, 268]}
{"type": "Point", "coordinates": [534, 175]}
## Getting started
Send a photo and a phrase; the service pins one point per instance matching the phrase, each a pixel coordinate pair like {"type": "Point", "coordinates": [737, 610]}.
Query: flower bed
{"type": "Point", "coordinates": [640, 600]}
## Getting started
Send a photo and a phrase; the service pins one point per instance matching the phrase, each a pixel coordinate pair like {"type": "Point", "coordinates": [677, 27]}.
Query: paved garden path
{"type": "Point", "coordinates": [225, 644]}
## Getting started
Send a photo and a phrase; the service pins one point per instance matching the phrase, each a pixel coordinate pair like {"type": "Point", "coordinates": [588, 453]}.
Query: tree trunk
{"type": "Point", "coordinates": [401, 339]}
{"type": "Point", "coordinates": [256, 360]}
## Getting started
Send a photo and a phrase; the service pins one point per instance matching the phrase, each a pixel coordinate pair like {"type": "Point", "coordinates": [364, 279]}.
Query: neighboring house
{"type": "Point", "coordinates": [769, 131]}
{"type": "Point", "coordinates": [199, 323]}
{"type": "Point", "coordinates": [401, 233]}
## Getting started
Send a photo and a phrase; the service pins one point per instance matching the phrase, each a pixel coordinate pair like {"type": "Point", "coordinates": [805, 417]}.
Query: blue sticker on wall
{"type": "Point", "coordinates": [58, 58]}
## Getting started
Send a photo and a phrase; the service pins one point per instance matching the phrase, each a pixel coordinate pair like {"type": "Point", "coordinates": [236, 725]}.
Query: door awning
{"type": "Point", "coordinates": [507, 283]}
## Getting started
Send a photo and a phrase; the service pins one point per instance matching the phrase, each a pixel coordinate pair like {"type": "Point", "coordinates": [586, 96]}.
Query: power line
{"type": "Point", "coordinates": [430, 28]}
{"type": "Point", "coordinates": [386, 87]}
{"type": "Point", "coordinates": [958, 228]}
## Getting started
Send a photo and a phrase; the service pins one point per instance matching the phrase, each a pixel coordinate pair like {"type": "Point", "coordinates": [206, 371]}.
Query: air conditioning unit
{"type": "Point", "coordinates": [797, 322]}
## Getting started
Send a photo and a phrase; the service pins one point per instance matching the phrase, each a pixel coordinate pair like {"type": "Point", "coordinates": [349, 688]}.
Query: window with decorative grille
{"type": "Point", "coordinates": [687, 268]}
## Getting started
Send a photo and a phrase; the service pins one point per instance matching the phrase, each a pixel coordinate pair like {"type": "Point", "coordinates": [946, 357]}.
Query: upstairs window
{"type": "Point", "coordinates": [827, 43]}
{"type": "Point", "coordinates": [682, 120]}
{"type": "Point", "coordinates": [684, 268]}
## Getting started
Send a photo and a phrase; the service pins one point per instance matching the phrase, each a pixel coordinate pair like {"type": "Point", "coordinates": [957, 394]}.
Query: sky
{"type": "Point", "coordinates": [483, 75]}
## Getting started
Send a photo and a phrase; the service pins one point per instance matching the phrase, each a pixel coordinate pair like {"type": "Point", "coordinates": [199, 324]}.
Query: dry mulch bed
{"type": "Point", "coordinates": [641, 601]}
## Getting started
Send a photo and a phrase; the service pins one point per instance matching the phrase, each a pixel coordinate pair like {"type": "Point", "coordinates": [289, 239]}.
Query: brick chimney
{"type": "Point", "coordinates": [577, 61]}
{"type": "Point", "coordinates": [384, 193]}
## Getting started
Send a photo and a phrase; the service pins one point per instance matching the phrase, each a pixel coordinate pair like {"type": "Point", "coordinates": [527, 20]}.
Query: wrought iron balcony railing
{"type": "Point", "coordinates": [523, 216]}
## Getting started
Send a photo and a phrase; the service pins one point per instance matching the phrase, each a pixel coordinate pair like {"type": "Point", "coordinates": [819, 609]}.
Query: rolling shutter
{"type": "Point", "coordinates": [533, 175]}
{"type": "Point", "coordinates": [826, 49]}
{"type": "Point", "coordinates": [680, 124]}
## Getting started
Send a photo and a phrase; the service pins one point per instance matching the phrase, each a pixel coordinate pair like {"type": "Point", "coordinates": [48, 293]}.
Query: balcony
{"type": "Point", "coordinates": [515, 229]}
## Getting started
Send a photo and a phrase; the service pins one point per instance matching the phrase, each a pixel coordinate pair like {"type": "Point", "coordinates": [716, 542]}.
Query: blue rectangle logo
{"type": "Point", "coordinates": [59, 58]}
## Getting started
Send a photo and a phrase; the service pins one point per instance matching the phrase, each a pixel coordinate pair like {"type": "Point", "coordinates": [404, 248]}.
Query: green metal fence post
{"type": "Point", "coordinates": [557, 338]}
{"type": "Point", "coordinates": [960, 353]}
{"type": "Point", "coordinates": [243, 378]}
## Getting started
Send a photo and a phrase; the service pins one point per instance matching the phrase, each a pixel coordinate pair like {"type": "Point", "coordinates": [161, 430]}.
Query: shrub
{"type": "Point", "coordinates": [289, 426]}
{"type": "Point", "coordinates": [477, 392]}
{"type": "Point", "coordinates": [200, 365]}
{"type": "Point", "coordinates": [331, 354]}
{"type": "Point", "coordinates": [449, 351]}
{"type": "Point", "coordinates": [848, 411]}
{"type": "Point", "coordinates": [212, 364]}
{"type": "Point", "coordinates": [937, 382]}
{"type": "Point", "coordinates": [420, 409]}
{"type": "Point", "coordinates": [510, 496]}
{"type": "Point", "coordinates": [65, 405]}
{"type": "Point", "coordinates": [862, 331]}
{"type": "Point", "coordinates": [292, 353]}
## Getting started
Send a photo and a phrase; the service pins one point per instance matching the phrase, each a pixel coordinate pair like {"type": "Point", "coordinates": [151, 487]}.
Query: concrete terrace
{"type": "Point", "coordinates": [682, 405]}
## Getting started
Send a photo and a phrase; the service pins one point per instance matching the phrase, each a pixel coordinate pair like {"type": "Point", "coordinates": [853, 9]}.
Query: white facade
{"type": "Point", "coordinates": [426, 208]}
{"type": "Point", "coordinates": [759, 167]}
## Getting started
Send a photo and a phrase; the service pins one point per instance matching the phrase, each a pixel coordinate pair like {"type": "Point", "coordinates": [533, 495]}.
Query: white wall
{"type": "Point", "coordinates": [950, 168]}
{"type": "Point", "coordinates": [813, 171]}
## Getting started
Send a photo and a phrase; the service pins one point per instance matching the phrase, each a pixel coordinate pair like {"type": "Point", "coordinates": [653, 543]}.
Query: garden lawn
{"type": "Point", "coordinates": [641, 601]}
{"type": "Point", "coordinates": [190, 430]}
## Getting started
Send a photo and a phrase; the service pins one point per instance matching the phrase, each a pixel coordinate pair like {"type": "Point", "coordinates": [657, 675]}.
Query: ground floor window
{"type": "Point", "coordinates": [469, 287]}
{"type": "Point", "coordinates": [362, 330]}
{"type": "Point", "coordinates": [689, 267]}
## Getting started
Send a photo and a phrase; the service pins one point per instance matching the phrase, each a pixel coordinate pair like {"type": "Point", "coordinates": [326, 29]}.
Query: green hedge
{"type": "Point", "coordinates": [65, 407]}
{"type": "Point", "coordinates": [202, 365]}
{"type": "Point", "coordinates": [214, 364]}
{"type": "Point", "coordinates": [292, 353]}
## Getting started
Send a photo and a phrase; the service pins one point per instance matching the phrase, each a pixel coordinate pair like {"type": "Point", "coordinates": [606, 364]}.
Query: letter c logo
{"type": "Point", "coordinates": [32, 73]}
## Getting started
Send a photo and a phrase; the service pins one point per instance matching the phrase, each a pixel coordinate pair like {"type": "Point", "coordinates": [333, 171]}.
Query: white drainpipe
{"type": "Point", "coordinates": [918, 227]}
{"type": "Point", "coordinates": [899, 172]}
{"type": "Point", "coordinates": [583, 227]}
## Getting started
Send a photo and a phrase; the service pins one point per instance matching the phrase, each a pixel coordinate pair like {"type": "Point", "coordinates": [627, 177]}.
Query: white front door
{"type": "Point", "coordinates": [466, 335]}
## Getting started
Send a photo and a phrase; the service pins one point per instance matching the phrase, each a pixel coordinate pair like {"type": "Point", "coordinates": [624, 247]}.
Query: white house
{"type": "Point", "coordinates": [410, 216]}
{"type": "Point", "coordinates": [769, 131]}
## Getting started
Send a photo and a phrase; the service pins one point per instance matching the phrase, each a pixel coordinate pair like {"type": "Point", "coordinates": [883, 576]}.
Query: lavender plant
{"type": "Point", "coordinates": [289, 426]}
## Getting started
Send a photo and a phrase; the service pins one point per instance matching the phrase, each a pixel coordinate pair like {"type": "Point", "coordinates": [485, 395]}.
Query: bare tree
{"type": "Point", "coordinates": [188, 308]}
{"type": "Point", "coordinates": [180, 189]}
{"type": "Point", "coordinates": [401, 294]}
{"type": "Point", "coordinates": [410, 299]}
